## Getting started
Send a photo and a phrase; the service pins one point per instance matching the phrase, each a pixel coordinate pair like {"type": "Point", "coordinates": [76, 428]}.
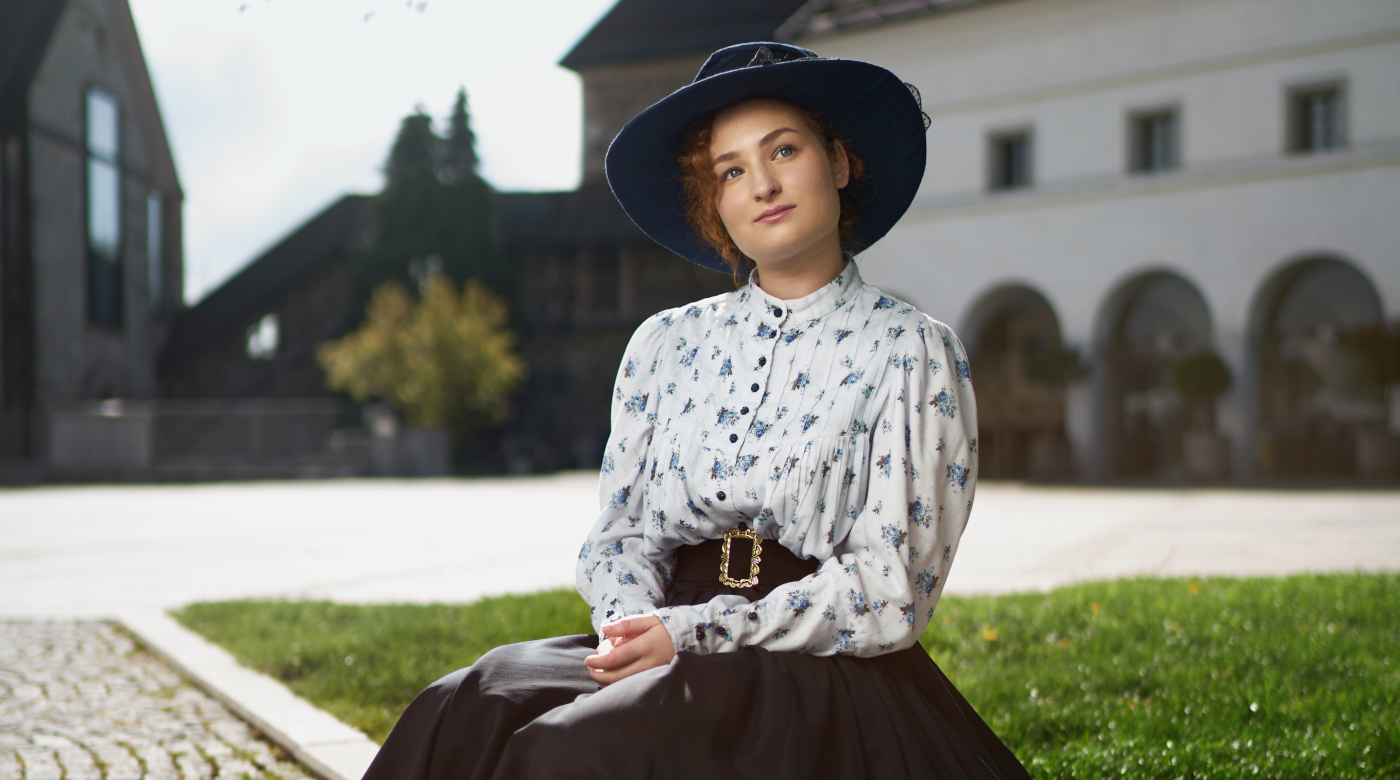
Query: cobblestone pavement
{"type": "Point", "coordinates": [81, 701]}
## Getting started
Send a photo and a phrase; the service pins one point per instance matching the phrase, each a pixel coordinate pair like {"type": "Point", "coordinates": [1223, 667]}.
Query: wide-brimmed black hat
{"type": "Point", "coordinates": [866, 105]}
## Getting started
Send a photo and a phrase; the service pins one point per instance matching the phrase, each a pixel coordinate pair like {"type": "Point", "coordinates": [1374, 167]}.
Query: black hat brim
{"type": "Point", "coordinates": [866, 105]}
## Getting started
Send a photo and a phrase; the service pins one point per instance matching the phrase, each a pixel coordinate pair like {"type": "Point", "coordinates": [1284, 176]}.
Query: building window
{"type": "Point", "coordinates": [1010, 161]}
{"type": "Point", "coordinates": [263, 337]}
{"type": "Point", "coordinates": [1154, 142]}
{"type": "Point", "coordinates": [1316, 119]}
{"type": "Point", "coordinates": [104, 223]}
{"type": "Point", "coordinates": [155, 245]}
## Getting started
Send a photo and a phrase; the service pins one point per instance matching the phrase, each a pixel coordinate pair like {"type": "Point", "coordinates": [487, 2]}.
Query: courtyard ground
{"type": "Point", "coordinates": [102, 550]}
{"type": "Point", "coordinates": [75, 554]}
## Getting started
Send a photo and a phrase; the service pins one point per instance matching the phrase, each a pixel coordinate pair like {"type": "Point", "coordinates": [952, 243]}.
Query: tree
{"type": "Point", "coordinates": [1378, 347]}
{"type": "Point", "coordinates": [435, 213]}
{"type": "Point", "coordinates": [1201, 378]}
{"type": "Point", "coordinates": [444, 359]}
{"type": "Point", "coordinates": [471, 243]}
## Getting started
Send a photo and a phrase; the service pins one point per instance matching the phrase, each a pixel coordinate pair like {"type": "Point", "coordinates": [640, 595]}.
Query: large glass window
{"type": "Point", "coordinates": [155, 245]}
{"type": "Point", "coordinates": [104, 222]}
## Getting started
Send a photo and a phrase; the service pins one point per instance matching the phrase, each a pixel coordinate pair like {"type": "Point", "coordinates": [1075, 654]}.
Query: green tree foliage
{"type": "Point", "coordinates": [1378, 347]}
{"type": "Point", "coordinates": [443, 359]}
{"type": "Point", "coordinates": [1048, 363]}
{"type": "Point", "coordinates": [1201, 378]}
{"type": "Point", "coordinates": [435, 213]}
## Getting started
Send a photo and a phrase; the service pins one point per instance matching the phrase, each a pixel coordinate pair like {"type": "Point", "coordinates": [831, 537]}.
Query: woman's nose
{"type": "Point", "coordinates": [765, 185]}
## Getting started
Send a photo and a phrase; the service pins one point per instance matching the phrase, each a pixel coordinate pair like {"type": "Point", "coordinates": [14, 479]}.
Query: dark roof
{"type": "Point", "coordinates": [325, 238]}
{"type": "Point", "coordinates": [25, 29]}
{"type": "Point", "coordinates": [820, 16]}
{"type": "Point", "coordinates": [639, 30]}
{"type": "Point", "coordinates": [565, 220]}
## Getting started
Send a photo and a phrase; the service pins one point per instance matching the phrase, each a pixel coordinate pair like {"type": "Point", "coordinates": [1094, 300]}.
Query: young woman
{"type": "Point", "coordinates": [790, 468]}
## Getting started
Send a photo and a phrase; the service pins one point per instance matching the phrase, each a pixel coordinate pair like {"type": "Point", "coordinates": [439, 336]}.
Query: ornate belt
{"type": "Point", "coordinates": [714, 562]}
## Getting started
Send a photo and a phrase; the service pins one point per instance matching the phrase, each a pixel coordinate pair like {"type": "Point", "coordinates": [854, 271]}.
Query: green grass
{"type": "Point", "coordinates": [1213, 678]}
{"type": "Point", "coordinates": [365, 663]}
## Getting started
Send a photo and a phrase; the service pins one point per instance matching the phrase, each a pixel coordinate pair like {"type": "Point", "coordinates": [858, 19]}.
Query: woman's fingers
{"type": "Point", "coordinates": [610, 676]}
{"type": "Point", "coordinates": [630, 625]}
{"type": "Point", "coordinates": [618, 657]}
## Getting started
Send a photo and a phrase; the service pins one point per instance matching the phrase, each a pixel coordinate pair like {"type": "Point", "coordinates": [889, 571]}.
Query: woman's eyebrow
{"type": "Point", "coordinates": [767, 139]}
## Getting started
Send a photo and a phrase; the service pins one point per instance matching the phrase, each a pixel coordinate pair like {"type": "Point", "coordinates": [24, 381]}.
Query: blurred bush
{"type": "Point", "coordinates": [1201, 378]}
{"type": "Point", "coordinates": [444, 359]}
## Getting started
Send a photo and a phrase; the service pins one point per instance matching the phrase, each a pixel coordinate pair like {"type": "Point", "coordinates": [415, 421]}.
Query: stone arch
{"type": "Point", "coordinates": [1317, 417]}
{"type": "Point", "coordinates": [1013, 337]}
{"type": "Point", "coordinates": [1147, 325]}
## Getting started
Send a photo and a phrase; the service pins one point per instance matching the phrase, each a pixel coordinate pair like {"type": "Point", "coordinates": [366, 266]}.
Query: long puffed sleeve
{"type": "Point", "coordinates": [877, 590]}
{"type": "Point", "coordinates": [613, 575]}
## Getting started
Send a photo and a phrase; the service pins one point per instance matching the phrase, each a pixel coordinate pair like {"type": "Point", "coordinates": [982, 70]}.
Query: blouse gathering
{"type": "Point", "coordinates": [841, 426]}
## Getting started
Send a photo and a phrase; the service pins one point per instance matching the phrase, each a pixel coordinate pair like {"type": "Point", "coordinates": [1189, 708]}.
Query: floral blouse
{"type": "Point", "coordinates": [841, 425]}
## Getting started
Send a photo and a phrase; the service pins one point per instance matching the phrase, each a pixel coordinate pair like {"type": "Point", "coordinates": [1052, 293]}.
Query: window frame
{"type": "Point", "coordinates": [262, 340]}
{"type": "Point", "coordinates": [1138, 163]}
{"type": "Point", "coordinates": [155, 251]}
{"type": "Point", "coordinates": [105, 306]}
{"type": "Point", "coordinates": [1298, 139]}
{"type": "Point", "coordinates": [998, 179]}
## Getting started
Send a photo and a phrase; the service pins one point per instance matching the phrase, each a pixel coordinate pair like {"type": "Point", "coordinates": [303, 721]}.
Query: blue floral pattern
{"type": "Point", "coordinates": [788, 417]}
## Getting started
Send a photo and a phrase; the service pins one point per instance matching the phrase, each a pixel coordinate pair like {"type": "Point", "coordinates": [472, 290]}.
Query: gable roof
{"type": "Point", "coordinates": [143, 93]}
{"type": "Point", "coordinates": [25, 29]}
{"type": "Point", "coordinates": [640, 30]}
{"type": "Point", "coordinates": [323, 239]}
{"type": "Point", "coordinates": [587, 216]}
{"type": "Point", "coordinates": [821, 16]}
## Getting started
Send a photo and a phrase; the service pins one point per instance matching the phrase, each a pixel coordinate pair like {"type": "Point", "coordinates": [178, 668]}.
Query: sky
{"type": "Point", "coordinates": [276, 108]}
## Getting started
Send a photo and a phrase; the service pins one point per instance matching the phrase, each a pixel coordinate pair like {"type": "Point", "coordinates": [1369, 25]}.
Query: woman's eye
{"type": "Point", "coordinates": [784, 151]}
{"type": "Point", "coordinates": [731, 173]}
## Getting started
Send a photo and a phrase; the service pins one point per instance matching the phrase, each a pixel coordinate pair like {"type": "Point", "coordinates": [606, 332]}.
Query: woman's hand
{"type": "Point", "coordinates": [630, 645]}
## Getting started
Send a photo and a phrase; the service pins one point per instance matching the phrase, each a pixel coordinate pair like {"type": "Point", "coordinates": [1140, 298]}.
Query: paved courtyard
{"type": "Point", "coordinates": [104, 550]}
{"type": "Point", "coordinates": [79, 701]}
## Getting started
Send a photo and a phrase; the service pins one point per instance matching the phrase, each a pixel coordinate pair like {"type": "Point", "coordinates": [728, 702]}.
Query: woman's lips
{"type": "Point", "coordinates": [774, 214]}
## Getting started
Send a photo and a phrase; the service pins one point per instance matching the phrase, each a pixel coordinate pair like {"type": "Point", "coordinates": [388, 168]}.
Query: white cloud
{"type": "Point", "coordinates": [277, 109]}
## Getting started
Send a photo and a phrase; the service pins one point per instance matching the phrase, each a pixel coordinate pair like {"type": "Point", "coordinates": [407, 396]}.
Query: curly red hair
{"type": "Point", "coordinates": [702, 187]}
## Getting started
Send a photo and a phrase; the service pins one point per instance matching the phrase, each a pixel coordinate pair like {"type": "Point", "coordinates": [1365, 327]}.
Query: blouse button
{"type": "Point", "coordinates": [777, 312]}
{"type": "Point", "coordinates": [733, 437]}
{"type": "Point", "coordinates": [699, 633]}
{"type": "Point", "coordinates": [753, 388]}
{"type": "Point", "coordinates": [763, 361]}
{"type": "Point", "coordinates": [773, 335]}
{"type": "Point", "coordinates": [720, 495]}
{"type": "Point", "coordinates": [753, 616]}
{"type": "Point", "coordinates": [745, 410]}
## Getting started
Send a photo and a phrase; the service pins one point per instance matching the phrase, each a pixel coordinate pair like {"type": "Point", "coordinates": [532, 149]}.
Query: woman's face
{"type": "Point", "coordinates": [777, 184]}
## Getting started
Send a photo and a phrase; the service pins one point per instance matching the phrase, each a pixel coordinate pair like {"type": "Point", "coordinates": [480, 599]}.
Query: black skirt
{"type": "Point", "coordinates": [530, 710]}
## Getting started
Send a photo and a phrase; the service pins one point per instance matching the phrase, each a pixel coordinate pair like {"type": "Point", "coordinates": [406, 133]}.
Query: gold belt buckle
{"type": "Point", "coordinates": [752, 579]}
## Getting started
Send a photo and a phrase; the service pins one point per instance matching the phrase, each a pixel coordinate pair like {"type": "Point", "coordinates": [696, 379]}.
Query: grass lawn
{"type": "Point", "coordinates": [1213, 678]}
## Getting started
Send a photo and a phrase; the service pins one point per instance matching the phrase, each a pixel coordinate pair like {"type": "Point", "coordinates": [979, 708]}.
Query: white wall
{"type": "Point", "coordinates": [1237, 210]}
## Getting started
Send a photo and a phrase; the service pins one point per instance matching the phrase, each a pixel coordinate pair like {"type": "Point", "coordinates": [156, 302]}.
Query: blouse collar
{"type": "Point", "coordinates": [830, 297]}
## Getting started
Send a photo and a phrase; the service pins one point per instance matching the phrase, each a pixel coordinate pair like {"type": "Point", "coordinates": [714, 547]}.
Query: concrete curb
{"type": "Point", "coordinates": [323, 744]}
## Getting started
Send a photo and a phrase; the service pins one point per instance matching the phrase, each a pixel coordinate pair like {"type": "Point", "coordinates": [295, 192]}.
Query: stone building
{"type": "Point", "coordinates": [90, 233]}
{"type": "Point", "coordinates": [1139, 181]}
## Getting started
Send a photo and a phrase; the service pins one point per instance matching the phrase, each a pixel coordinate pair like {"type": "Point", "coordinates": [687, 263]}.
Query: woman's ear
{"type": "Point", "coordinates": [840, 165]}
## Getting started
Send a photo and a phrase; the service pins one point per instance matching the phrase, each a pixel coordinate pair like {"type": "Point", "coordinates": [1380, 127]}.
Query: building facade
{"type": "Point", "coordinates": [90, 232]}
{"type": "Point", "coordinates": [1116, 186]}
